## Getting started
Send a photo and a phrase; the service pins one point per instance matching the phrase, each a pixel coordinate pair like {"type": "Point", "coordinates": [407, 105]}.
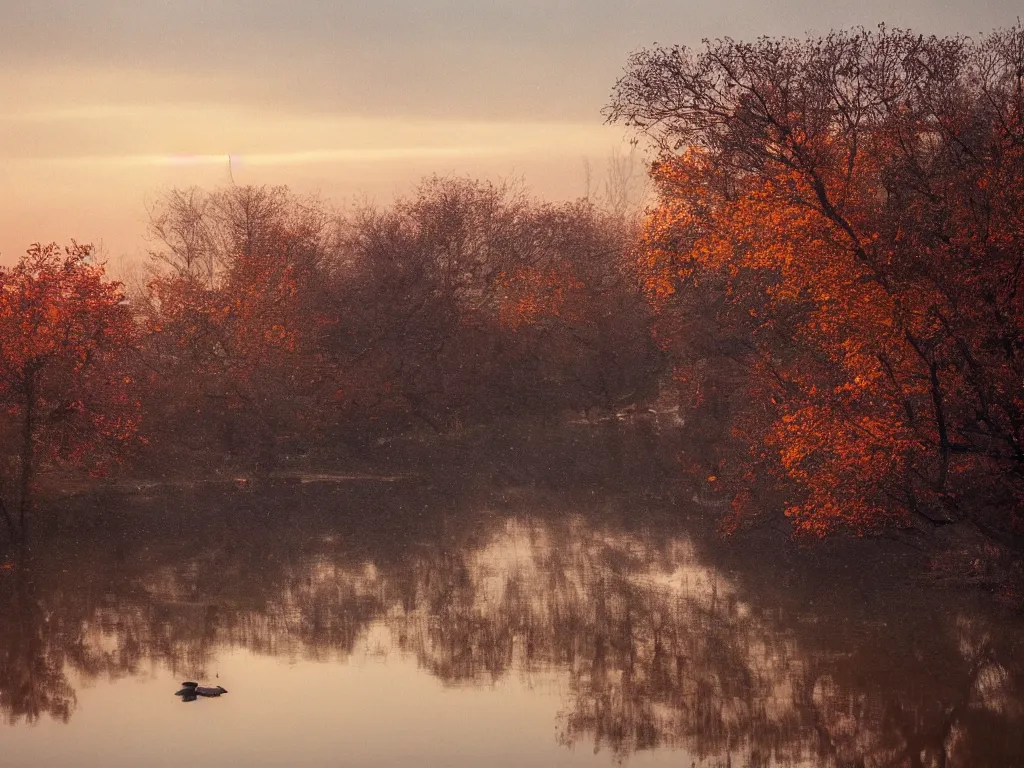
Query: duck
{"type": "Point", "coordinates": [188, 691]}
{"type": "Point", "coordinates": [202, 691]}
{"type": "Point", "coordinates": [191, 690]}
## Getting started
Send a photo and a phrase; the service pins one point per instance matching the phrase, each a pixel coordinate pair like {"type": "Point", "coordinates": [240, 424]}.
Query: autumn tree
{"type": "Point", "coordinates": [412, 275]}
{"type": "Point", "coordinates": [471, 301]}
{"type": "Point", "coordinates": [67, 384]}
{"type": "Point", "coordinates": [235, 316]}
{"type": "Point", "coordinates": [855, 204]}
{"type": "Point", "coordinates": [466, 302]}
{"type": "Point", "coordinates": [578, 306]}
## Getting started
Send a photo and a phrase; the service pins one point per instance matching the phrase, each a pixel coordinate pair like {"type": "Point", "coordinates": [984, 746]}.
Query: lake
{"type": "Point", "coordinates": [393, 621]}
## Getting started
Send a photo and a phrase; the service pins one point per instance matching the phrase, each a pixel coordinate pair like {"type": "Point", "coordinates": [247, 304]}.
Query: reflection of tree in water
{"type": "Point", "coordinates": [33, 650]}
{"type": "Point", "coordinates": [658, 648]}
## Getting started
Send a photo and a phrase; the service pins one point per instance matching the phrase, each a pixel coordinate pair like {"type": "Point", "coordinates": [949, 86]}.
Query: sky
{"type": "Point", "coordinates": [107, 104]}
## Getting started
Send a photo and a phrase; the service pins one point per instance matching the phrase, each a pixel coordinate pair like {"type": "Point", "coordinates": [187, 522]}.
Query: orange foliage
{"type": "Point", "coordinates": [868, 273]}
{"type": "Point", "coordinates": [844, 351]}
{"type": "Point", "coordinates": [248, 337]}
{"type": "Point", "coordinates": [529, 295]}
{"type": "Point", "coordinates": [65, 374]}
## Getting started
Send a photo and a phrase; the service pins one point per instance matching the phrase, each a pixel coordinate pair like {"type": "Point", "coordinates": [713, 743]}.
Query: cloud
{"type": "Point", "coordinates": [493, 59]}
{"type": "Point", "coordinates": [263, 159]}
{"type": "Point", "coordinates": [106, 100]}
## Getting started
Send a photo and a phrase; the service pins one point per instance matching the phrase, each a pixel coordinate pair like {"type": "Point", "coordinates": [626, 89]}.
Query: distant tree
{"type": "Point", "coordinates": [413, 278]}
{"type": "Point", "coordinates": [466, 302]}
{"type": "Point", "coordinates": [578, 309]}
{"type": "Point", "coordinates": [854, 203]}
{"type": "Point", "coordinates": [474, 301]}
{"type": "Point", "coordinates": [236, 317]}
{"type": "Point", "coordinates": [66, 378]}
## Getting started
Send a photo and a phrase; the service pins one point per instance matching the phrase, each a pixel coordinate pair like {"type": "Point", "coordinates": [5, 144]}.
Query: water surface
{"type": "Point", "coordinates": [397, 623]}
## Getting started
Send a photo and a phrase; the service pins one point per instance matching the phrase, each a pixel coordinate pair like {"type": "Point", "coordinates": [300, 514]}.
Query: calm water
{"type": "Point", "coordinates": [376, 624]}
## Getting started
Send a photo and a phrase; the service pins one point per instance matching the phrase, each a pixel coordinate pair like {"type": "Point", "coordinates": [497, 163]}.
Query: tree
{"type": "Point", "coordinates": [472, 301]}
{"type": "Point", "coordinates": [66, 380]}
{"type": "Point", "coordinates": [464, 303]}
{"type": "Point", "coordinates": [577, 307]}
{"type": "Point", "coordinates": [413, 279]}
{"type": "Point", "coordinates": [856, 202]}
{"type": "Point", "coordinates": [236, 315]}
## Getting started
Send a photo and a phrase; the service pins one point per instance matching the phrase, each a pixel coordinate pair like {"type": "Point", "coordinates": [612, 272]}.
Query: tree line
{"type": "Point", "coordinates": [830, 284]}
{"type": "Point", "coordinates": [268, 323]}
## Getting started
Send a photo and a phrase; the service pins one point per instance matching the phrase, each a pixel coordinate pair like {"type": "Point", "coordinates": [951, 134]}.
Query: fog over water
{"type": "Point", "coordinates": [456, 622]}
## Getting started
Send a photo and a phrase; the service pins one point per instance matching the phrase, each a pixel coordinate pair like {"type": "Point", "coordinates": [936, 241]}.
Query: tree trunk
{"type": "Point", "coordinates": [7, 517]}
{"type": "Point", "coordinates": [940, 423]}
{"type": "Point", "coordinates": [27, 454]}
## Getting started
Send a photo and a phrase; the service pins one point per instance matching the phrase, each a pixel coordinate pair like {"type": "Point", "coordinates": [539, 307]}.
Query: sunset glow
{"type": "Point", "coordinates": [107, 103]}
{"type": "Point", "coordinates": [597, 383]}
{"type": "Point", "coordinates": [84, 168]}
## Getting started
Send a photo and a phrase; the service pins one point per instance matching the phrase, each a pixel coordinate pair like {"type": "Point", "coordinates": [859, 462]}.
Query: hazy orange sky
{"type": "Point", "coordinates": [105, 103]}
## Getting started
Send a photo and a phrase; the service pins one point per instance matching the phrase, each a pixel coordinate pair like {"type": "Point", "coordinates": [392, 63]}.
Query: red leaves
{"type": "Point", "coordinates": [241, 324]}
{"type": "Point", "coordinates": [233, 320]}
{"type": "Point", "coordinates": [529, 295]}
{"type": "Point", "coordinates": [65, 336]}
{"type": "Point", "coordinates": [866, 273]}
